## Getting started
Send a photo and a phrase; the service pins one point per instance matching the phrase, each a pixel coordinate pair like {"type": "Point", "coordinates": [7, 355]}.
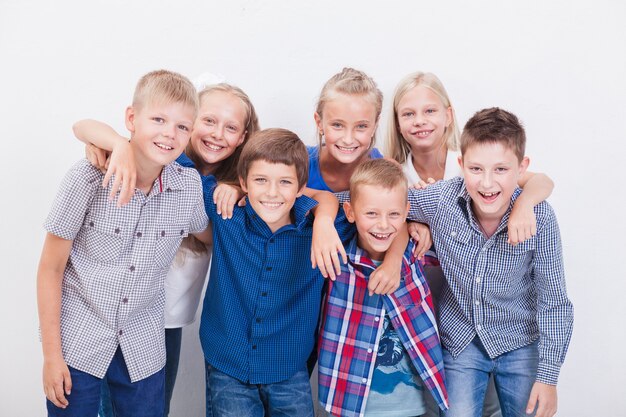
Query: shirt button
{"type": "Point", "coordinates": [254, 347]}
{"type": "Point", "coordinates": [477, 302]}
{"type": "Point", "coordinates": [264, 294]}
{"type": "Point", "coordinates": [120, 332]}
{"type": "Point", "coordinates": [453, 234]}
{"type": "Point", "coordinates": [91, 224]}
{"type": "Point", "coordinates": [162, 233]}
{"type": "Point", "coordinates": [484, 249]}
{"type": "Point", "coordinates": [168, 189]}
{"type": "Point", "coordinates": [258, 320]}
{"type": "Point", "coordinates": [369, 351]}
{"type": "Point", "coordinates": [139, 234]}
{"type": "Point", "coordinates": [182, 232]}
{"type": "Point", "coordinates": [179, 170]}
{"type": "Point", "coordinates": [124, 300]}
{"type": "Point", "coordinates": [376, 318]}
{"type": "Point", "coordinates": [269, 268]}
{"type": "Point", "coordinates": [479, 327]}
{"type": "Point", "coordinates": [272, 240]}
{"type": "Point", "coordinates": [478, 280]}
{"type": "Point", "coordinates": [132, 268]}
{"type": "Point", "coordinates": [117, 230]}
{"type": "Point", "coordinates": [364, 380]}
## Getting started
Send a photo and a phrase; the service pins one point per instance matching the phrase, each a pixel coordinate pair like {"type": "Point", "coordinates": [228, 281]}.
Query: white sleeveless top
{"type": "Point", "coordinates": [452, 168]}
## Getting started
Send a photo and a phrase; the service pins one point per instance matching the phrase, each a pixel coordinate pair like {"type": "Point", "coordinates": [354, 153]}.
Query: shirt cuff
{"type": "Point", "coordinates": [548, 373]}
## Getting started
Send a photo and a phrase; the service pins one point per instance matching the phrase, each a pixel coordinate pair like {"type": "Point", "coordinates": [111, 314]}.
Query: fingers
{"type": "Point", "coordinates": [420, 249]}
{"type": "Point", "coordinates": [381, 283]}
{"type": "Point", "coordinates": [532, 402]}
{"type": "Point", "coordinates": [56, 394]}
{"type": "Point", "coordinates": [127, 191]}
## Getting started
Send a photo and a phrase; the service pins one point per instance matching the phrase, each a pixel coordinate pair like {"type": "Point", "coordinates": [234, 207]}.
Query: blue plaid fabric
{"type": "Point", "coordinates": [508, 296]}
{"type": "Point", "coordinates": [262, 302]}
{"type": "Point", "coordinates": [351, 326]}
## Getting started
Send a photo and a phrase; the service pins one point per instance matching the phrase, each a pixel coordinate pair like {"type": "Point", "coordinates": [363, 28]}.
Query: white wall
{"type": "Point", "coordinates": [559, 65]}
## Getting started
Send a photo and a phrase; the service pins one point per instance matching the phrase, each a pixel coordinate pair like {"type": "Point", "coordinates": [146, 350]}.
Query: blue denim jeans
{"type": "Point", "coordinates": [467, 377]}
{"type": "Point", "coordinates": [230, 397]}
{"type": "Point", "coordinates": [137, 399]}
{"type": "Point", "coordinates": [173, 339]}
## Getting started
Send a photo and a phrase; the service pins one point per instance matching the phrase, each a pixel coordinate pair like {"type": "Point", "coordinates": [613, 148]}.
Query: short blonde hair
{"type": "Point", "coordinates": [398, 148]}
{"type": "Point", "coordinates": [276, 146]}
{"type": "Point", "coordinates": [227, 170]}
{"type": "Point", "coordinates": [381, 172]}
{"type": "Point", "coordinates": [164, 86]}
{"type": "Point", "coordinates": [350, 82]}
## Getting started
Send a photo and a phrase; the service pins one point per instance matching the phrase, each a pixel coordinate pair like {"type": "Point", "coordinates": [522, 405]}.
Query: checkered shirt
{"type": "Point", "coordinates": [508, 296]}
{"type": "Point", "coordinates": [352, 323]}
{"type": "Point", "coordinates": [112, 290]}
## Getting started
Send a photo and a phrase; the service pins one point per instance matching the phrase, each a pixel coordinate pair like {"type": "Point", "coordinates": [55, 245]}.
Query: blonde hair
{"type": "Point", "coordinates": [382, 172]}
{"type": "Point", "coordinates": [350, 82]}
{"type": "Point", "coordinates": [398, 148]}
{"type": "Point", "coordinates": [164, 86]}
{"type": "Point", "coordinates": [227, 170]}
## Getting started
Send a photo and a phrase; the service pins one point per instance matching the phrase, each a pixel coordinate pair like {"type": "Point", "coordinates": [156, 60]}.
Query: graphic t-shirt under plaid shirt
{"type": "Point", "coordinates": [352, 323]}
{"type": "Point", "coordinates": [113, 285]}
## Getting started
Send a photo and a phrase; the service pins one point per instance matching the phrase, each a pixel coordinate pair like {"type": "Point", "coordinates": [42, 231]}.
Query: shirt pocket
{"type": "Point", "coordinates": [103, 241]}
{"type": "Point", "coordinates": [168, 240]}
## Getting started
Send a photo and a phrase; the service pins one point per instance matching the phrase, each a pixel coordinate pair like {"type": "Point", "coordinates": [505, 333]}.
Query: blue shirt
{"type": "Point", "coordinates": [507, 296]}
{"type": "Point", "coordinates": [262, 302]}
{"type": "Point", "coordinates": [316, 181]}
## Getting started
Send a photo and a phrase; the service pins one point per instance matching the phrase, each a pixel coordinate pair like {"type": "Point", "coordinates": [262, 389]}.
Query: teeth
{"type": "Point", "coordinates": [343, 148]}
{"type": "Point", "coordinates": [489, 194]}
{"type": "Point", "coordinates": [381, 235]}
{"type": "Point", "coordinates": [271, 205]}
{"type": "Point", "coordinates": [423, 134]}
{"type": "Point", "coordinates": [213, 147]}
{"type": "Point", "coordinates": [167, 148]}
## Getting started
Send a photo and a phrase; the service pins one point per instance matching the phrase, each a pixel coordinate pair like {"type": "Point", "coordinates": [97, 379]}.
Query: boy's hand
{"type": "Point", "coordinates": [543, 397]}
{"type": "Point", "coordinates": [420, 233]}
{"type": "Point", "coordinates": [325, 244]}
{"type": "Point", "coordinates": [122, 165]}
{"type": "Point", "coordinates": [385, 279]}
{"type": "Point", "coordinates": [225, 197]}
{"type": "Point", "coordinates": [522, 222]}
{"type": "Point", "coordinates": [57, 382]}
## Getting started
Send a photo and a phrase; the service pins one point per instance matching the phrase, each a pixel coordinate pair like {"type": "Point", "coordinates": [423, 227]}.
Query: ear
{"type": "Point", "coordinates": [129, 119]}
{"type": "Point", "coordinates": [242, 182]}
{"type": "Point", "coordinates": [408, 207]}
{"type": "Point", "coordinates": [318, 122]}
{"type": "Point", "coordinates": [523, 166]}
{"type": "Point", "coordinates": [347, 208]}
{"type": "Point", "coordinates": [460, 159]}
{"type": "Point", "coordinates": [449, 116]}
{"type": "Point", "coordinates": [301, 191]}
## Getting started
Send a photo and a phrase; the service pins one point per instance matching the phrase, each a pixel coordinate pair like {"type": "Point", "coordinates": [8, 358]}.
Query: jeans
{"type": "Point", "coordinates": [467, 376]}
{"type": "Point", "coordinates": [173, 339]}
{"type": "Point", "coordinates": [230, 397]}
{"type": "Point", "coordinates": [137, 399]}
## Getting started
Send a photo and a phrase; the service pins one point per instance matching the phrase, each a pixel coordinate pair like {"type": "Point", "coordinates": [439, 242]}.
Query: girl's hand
{"type": "Point", "coordinates": [325, 246]}
{"type": "Point", "coordinates": [225, 197]}
{"type": "Point", "coordinates": [423, 184]}
{"type": "Point", "coordinates": [420, 233]}
{"type": "Point", "coordinates": [385, 279]}
{"type": "Point", "coordinates": [57, 382]}
{"type": "Point", "coordinates": [122, 165]}
{"type": "Point", "coordinates": [97, 157]}
{"type": "Point", "coordinates": [522, 222]}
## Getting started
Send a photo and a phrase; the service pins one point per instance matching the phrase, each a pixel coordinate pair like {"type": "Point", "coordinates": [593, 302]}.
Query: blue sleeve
{"type": "Point", "coordinates": [208, 188]}
{"type": "Point", "coordinates": [345, 229]}
{"type": "Point", "coordinates": [185, 161]}
{"type": "Point", "coordinates": [375, 154]}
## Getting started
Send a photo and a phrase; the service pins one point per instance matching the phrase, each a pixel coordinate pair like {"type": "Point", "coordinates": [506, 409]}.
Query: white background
{"type": "Point", "coordinates": [559, 65]}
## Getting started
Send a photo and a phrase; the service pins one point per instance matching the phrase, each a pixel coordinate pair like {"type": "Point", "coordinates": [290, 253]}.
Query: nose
{"type": "Point", "coordinates": [169, 130]}
{"type": "Point", "coordinates": [487, 179]}
{"type": "Point", "coordinates": [218, 132]}
{"type": "Point", "coordinates": [419, 120]}
{"type": "Point", "coordinates": [272, 190]}
{"type": "Point", "coordinates": [383, 222]}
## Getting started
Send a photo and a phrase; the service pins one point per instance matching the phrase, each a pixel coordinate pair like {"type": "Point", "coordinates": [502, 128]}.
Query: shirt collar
{"type": "Point", "coordinates": [359, 257]}
{"type": "Point", "coordinates": [171, 178]}
{"type": "Point", "coordinates": [300, 211]}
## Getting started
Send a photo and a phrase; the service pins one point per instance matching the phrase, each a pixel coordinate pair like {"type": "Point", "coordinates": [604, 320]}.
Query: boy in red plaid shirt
{"type": "Point", "coordinates": [378, 353]}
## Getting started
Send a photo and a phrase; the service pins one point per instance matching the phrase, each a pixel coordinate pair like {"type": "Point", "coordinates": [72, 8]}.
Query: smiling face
{"type": "Point", "coordinates": [219, 128]}
{"type": "Point", "coordinates": [159, 132]}
{"type": "Point", "coordinates": [423, 119]}
{"type": "Point", "coordinates": [491, 171]}
{"type": "Point", "coordinates": [272, 191]}
{"type": "Point", "coordinates": [379, 213]}
{"type": "Point", "coordinates": [348, 123]}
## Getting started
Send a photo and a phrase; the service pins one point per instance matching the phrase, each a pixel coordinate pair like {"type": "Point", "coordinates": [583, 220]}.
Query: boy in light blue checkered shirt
{"type": "Point", "coordinates": [505, 311]}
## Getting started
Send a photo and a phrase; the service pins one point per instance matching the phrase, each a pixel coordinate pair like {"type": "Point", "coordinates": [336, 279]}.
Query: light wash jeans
{"type": "Point", "coordinates": [467, 377]}
{"type": "Point", "coordinates": [230, 397]}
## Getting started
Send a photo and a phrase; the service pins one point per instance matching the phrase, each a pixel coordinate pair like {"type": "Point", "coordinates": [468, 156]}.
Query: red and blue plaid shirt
{"type": "Point", "coordinates": [351, 326]}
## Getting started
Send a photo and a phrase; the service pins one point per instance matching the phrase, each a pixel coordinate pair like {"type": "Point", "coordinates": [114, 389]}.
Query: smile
{"type": "Point", "coordinates": [164, 147]}
{"type": "Point", "coordinates": [422, 133]}
{"type": "Point", "coordinates": [347, 149]}
{"type": "Point", "coordinates": [381, 236]}
{"type": "Point", "coordinates": [271, 205]}
{"type": "Point", "coordinates": [489, 196]}
{"type": "Point", "coordinates": [212, 146]}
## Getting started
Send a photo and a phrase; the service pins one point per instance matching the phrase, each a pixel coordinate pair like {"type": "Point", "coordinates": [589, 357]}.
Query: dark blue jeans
{"type": "Point", "coordinates": [130, 399]}
{"type": "Point", "coordinates": [230, 397]}
{"type": "Point", "coordinates": [173, 339]}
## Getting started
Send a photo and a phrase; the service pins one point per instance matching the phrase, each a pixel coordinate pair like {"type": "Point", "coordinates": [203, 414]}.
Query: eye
{"type": "Point", "coordinates": [431, 111]}
{"type": "Point", "coordinates": [394, 215]}
{"type": "Point", "coordinates": [232, 129]}
{"type": "Point", "coordinates": [336, 125]}
{"type": "Point", "coordinates": [475, 170]}
{"type": "Point", "coordinates": [260, 180]}
{"type": "Point", "coordinates": [408, 114]}
{"type": "Point", "coordinates": [370, 213]}
{"type": "Point", "coordinates": [183, 128]}
{"type": "Point", "coordinates": [158, 119]}
{"type": "Point", "coordinates": [362, 126]}
{"type": "Point", "coordinates": [502, 170]}
{"type": "Point", "coordinates": [286, 182]}
{"type": "Point", "coordinates": [209, 121]}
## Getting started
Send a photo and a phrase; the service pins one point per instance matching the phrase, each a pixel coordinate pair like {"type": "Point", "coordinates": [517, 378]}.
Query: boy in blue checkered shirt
{"type": "Point", "coordinates": [505, 310]}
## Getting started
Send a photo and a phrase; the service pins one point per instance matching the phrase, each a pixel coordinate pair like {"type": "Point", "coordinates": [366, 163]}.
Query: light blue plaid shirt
{"type": "Point", "coordinates": [508, 296]}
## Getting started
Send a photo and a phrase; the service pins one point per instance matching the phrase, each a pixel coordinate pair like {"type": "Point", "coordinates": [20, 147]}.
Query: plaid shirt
{"type": "Point", "coordinates": [352, 324]}
{"type": "Point", "coordinates": [507, 296]}
{"type": "Point", "coordinates": [112, 290]}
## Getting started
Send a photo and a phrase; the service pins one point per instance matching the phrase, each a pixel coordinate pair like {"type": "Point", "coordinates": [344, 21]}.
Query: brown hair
{"type": "Point", "coordinates": [495, 125]}
{"type": "Point", "coordinates": [164, 86]}
{"type": "Point", "coordinates": [382, 172]}
{"type": "Point", "coordinates": [351, 82]}
{"type": "Point", "coordinates": [276, 146]}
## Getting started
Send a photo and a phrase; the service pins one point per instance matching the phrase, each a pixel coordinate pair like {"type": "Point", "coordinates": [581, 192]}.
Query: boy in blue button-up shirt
{"type": "Point", "coordinates": [262, 301]}
{"type": "Point", "coordinates": [505, 310]}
